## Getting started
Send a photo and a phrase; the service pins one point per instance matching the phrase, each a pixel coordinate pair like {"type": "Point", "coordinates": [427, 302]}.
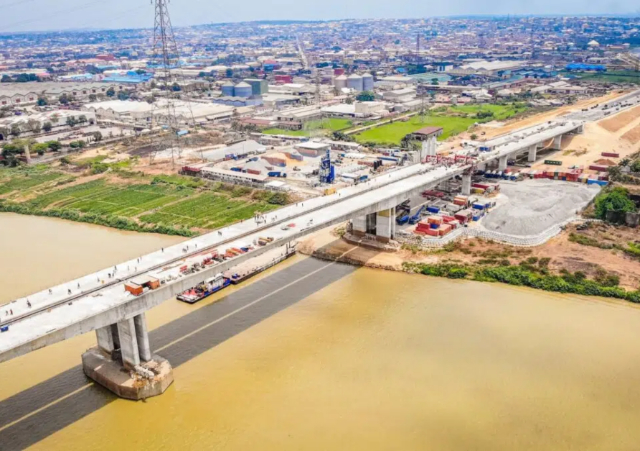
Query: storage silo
{"type": "Point", "coordinates": [354, 82]}
{"type": "Point", "coordinates": [367, 82]}
{"type": "Point", "coordinates": [242, 89]}
{"type": "Point", "coordinates": [340, 82]}
{"type": "Point", "coordinates": [227, 89]}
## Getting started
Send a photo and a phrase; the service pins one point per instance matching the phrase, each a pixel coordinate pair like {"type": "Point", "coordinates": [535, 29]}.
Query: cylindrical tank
{"type": "Point", "coordinates": [367, 82]}
{"type": "Point", "coordinates": [354, 82]}
{"type": "Point", "coordinates": [243, 89]}
{"type": "Point", "coordinates": [340, 82]}
{"type": "Point", "coordinates": [227, 89]}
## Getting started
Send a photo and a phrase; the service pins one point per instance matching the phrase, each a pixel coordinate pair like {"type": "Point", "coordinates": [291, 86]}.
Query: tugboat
{"type": "Point", "coordinates": [204, 289]}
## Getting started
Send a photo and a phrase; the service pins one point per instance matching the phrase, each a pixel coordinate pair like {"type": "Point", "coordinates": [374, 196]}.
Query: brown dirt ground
{"type": "Point", "coordinates": [633, 135]}
{"type": "Point", "coordinates": [564, 254]}
{"type": "Point", "coordinates": [619, 121]}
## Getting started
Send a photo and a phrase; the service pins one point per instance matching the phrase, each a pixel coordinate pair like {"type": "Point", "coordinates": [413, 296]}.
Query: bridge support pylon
{"type": "Point", "coordinates": [533, 153]}
{"type": "Point", "coordinates": [502, 163]}
{"type": "Point", "coordinates": [123, 363]}
{"type": "Point", "coordinates": [557, 142]}
{"type": "Point", "coordinates": [380, 225]}
{"type": "Point", "coordinates": [466, 184]}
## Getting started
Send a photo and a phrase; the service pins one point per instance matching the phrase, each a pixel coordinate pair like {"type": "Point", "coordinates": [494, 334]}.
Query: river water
{"type": "Point", "coordinates": [363, 360]}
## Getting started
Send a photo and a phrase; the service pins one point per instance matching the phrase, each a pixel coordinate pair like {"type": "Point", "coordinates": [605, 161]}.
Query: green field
{"type": "Point", "coordinates": [620, 77]}
{"type": "Point", "coordinates": [168, 204]}
{"type": "Point", "coordinates": [18, 181]}
{"type": "Point", "coordinates": [327, 125]}
{"type": "Point", "coordinates": [453, 120]}
{"type": "Point", "coordinates": [500, 112]}
{"type": "Point", "coordinates": [393, 133]}
{"type": "Point", "coordinates": [206, 211]}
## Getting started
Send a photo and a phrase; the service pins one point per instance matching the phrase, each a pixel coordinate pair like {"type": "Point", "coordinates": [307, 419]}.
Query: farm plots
{"type": "Point", "coordinates": [206, 211]}
{"type": "Point", "coordinates": [21, 182]}
{"type": "Point", "coordinates": [167, 205]}
{"type": "Point", "coordinates": [104, 198]}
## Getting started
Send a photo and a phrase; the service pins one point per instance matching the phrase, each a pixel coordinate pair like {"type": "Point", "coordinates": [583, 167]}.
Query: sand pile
{"type": "Point", "coordinates": [532, 206]}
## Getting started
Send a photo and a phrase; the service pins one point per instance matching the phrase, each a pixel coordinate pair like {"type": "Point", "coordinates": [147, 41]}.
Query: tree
{"type": "Point", "coordinates": [6, 79]}
{"type": "Point", "coordinates": [229, 73]}
{"type": "Point", "coordinates": [71, 121]}
{"type": "Point", "coordinates": [64, 99]}
{"type": "Point", "coordinates": [82, 119]}
{"type": "Point", "coordinates": [635, 166]}
{"type": "Point", "coordinates": [111, 92]}
{"type": "Point", "coordinates": [474, 136]}
{"type": "Point", "coordinates": [55, 146]}
{"type": "Point", "coordinates": [55, 117]}
{"type": "Point", "coordinates": [42, 101]}
{"type": "Point", "coordinates": [123, 95]}
{"type": "Point", "coordinates": [176, 87]}
{"type": "Point", "coordinates": [435, 82]}
{"type": "Point", "coordinates": [40, 148]}
{"type": "Point", "coordinates": [16, 130]}
{"type": "Point", "coordinates": [34, 126]}
{"type": "Point", "coordinates": [92, 98]}
{"type": "Point", "coordinates": [97, 136]}
{"type": "Point", "coordinates": [614, 204]}
{"type": "Point", "coordinates": [366, 96]}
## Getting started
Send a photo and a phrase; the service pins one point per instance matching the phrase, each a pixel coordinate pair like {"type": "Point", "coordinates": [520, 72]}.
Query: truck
{"type": "Point", "coordinates": [401, 220]}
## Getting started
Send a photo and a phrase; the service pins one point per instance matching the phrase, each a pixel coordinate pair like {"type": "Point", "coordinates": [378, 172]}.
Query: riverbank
{"type": "Point", "coordinates": [561, 265]}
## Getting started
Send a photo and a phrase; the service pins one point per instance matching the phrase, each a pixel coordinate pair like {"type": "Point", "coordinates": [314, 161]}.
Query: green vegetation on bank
{"type": "Point", "coordinates": [169, 204]}
{"type": "Point", "coordinates": [531, 274]}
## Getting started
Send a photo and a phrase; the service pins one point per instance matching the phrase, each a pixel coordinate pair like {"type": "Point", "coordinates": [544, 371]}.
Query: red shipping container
{"type": "Point", "coordinates": [432, 232]}
{"type": "Point", "coordinates": [610, 154]}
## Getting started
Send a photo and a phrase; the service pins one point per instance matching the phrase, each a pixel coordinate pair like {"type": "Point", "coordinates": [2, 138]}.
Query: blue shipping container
{"type": "Point", "coordinates": [478, 206]}
{"type": "Point", "coordinates": [433, 209]}
{"type": "Point", "coordinates": [433, 226]}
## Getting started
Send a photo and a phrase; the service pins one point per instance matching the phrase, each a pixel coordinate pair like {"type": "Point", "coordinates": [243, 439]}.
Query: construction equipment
{"type": "Point", "coordinates": [416, 218]}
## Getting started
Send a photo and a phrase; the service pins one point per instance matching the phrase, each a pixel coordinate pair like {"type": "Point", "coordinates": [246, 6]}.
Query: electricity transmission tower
{"type": "Point", "coordinates": [165, 57]}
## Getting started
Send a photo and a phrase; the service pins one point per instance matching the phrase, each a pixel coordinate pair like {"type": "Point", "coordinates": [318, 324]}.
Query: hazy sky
{"type": "Point", "coordinates": [22, 15]}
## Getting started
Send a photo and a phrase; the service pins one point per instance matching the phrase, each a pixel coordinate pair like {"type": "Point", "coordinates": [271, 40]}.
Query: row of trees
{"type": "Point", "coordinates": [35, 127]}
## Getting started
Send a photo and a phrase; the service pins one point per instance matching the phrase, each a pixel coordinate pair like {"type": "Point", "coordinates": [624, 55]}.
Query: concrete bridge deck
{"type": "Point", "coordinates": [56, 317]}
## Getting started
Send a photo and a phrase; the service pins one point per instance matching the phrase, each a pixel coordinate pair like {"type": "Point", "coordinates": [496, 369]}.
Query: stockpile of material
{"type": "Point", "coordinates": [534, 206]}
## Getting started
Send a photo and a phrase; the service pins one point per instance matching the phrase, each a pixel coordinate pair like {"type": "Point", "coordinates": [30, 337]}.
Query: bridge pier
{"type": "Point", "coordinates": [502, 163]}
{"type": "Point", "coordinates": [381, 224]}
{"type": "Point", "coordinates": [557, 142]}
{"type": "Point", "coordinates": [533, 153]}
{"type": "Point", "coordinates": [125, 346]}
{"type": "Point", "coordinates": [466, 184]}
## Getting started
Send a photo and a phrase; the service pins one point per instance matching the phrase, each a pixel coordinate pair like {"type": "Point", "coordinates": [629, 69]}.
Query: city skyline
{"type": "Point", "coordinates": [19, 16]}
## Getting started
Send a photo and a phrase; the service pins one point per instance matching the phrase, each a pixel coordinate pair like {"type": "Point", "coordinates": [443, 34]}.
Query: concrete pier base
{"type": "Point", "coordinates": [149, 379]}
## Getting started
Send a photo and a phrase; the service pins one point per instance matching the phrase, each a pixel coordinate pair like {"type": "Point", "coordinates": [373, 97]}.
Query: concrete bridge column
{"type": "Point", "coordinates": [557, 142]}
{"type": "Point", "coordinates": [466, 185]}
{"type": "Point", "coordinates": [105, 339]}
{"type": "Point", "coordinates": [533, 153]}
{"type": "Point", "coordinates": [386, 225]}
{"type": "Point", "coordinates": [502, 163]}
{"type": "Point", "coordinates": [359, 226]}
{"type": "Point", "coordinates": [142, 336]}
{"type": "Point", "coordinates": [128, 343]}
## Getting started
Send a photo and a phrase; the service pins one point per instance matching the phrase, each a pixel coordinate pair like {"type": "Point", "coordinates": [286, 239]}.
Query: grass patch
{"type": "Point", "coordinates": [327, 125]}
{"type": "Point", "coordinates": [394, 132]}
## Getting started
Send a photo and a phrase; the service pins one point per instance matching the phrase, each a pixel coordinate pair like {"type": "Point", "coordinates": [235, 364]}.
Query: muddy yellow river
{"type": "Point", "coordinates": [351, 359]}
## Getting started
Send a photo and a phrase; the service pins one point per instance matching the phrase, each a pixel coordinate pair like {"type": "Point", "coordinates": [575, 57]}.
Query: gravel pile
{"type": "Point", "coordinates": [532, 206]}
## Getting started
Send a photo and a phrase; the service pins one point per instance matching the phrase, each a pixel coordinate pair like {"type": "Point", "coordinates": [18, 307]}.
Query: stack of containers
{"type": "Point", "coordinates": [463, 201]}
{"type": "Point", "coordinates": [433, 209]}
{"type": "Point", "coordinates": [464, 216]}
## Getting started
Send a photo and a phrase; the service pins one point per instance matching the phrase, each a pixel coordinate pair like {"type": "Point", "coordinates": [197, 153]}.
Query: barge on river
{"type": "Point", "coordinates": [219, 282]}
